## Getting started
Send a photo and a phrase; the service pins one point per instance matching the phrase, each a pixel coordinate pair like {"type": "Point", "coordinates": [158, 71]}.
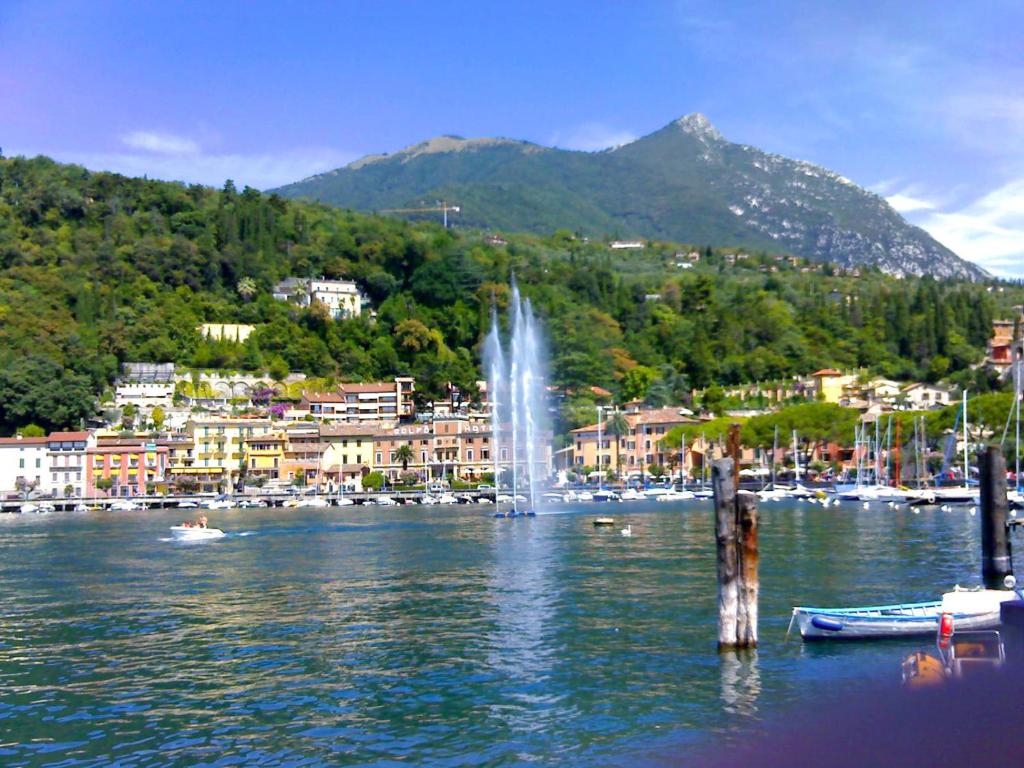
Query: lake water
{"type": "Point", "coordinates": [430, 636]}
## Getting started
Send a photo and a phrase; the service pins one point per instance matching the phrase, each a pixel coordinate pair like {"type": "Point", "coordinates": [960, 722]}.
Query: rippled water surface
{"type": "Point", "coordinates": [428, 636]}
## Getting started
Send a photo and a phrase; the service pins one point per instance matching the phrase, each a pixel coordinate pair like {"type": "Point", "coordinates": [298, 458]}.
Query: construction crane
{"type": "Point", "coordinates": [443, 208]}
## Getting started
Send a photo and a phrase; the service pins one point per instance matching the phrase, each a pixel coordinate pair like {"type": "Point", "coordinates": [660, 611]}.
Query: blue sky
{"type": "Point", "coordinates": [921, 102]}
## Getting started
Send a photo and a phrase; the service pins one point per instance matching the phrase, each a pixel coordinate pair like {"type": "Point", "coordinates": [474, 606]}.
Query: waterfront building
{"type": "Point", "coordinates": [456, 447]}
{"type": "Point", "coordinates": [184, 472]}
{"type": "Point", "coordinates": [302, 463]}
{"type": "Point", "coordinates": [640, 447]}
{"type": "Point", "coordinates": [263, 457]}
{"type": "Point", "coordinates": [65, 454]}
{"type": "Point", "coordinates": [23, 464]}
{"type": "Point", "coordinates": [348, 453]}
{"type": "Point", "coordinates": [125, 467]}
{"type": "Point", "coordinates": [218, 444]}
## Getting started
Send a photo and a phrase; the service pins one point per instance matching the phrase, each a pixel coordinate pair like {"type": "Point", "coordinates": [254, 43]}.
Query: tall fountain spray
{"type": "Point", "coordinates": [494, 361]}
{"type": "Point", "coordinates": [518, 398]}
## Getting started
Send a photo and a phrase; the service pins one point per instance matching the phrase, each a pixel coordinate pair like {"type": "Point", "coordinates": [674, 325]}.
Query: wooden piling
{"type": "Point", "coordinates": [737, 559]}
{"type": "Point", "coordinates": [750, 586]}
{"type": "Point", "coordinates": [996, 563]}
{"type": "Point", "coordinates": [725, 540]}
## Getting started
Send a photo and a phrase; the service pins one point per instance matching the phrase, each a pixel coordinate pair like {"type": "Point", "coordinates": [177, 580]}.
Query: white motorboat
{"type": "Point", "coordinates": [606, 496]}
{"type": "Point", "coordinates": [81, 507]}
{"type": "Point", "coordinates": [584, 496]}
{"type": "Point", "coordinates": [447, 498]}
{"type": "Point", "coordinates": [29, 508]}
{"type": "Point", "coordinates": [315, 501]}
{"type": "Point", "coordinates": [552, 498]}
{"type": "Point", "coordinates": [344, 501]}
{"type": "Point", "coordinates": [386, 501]}
{"type": "Point", "coordinates": [631, 494]}
{"type": "Point", "coordinates": [195, 533]}
{"type": "Point", "coordinates": [187, 505]}
{"type": "Point", "coordinates": [971, 609]}
{"type": "Point", "coordinates": [126, 505]}
{"type": "Point", "coordinates": [428, 499]}
{"type": "Point", "coordinates": [222, 503]}
{"type": "Point", "coordinates": [674, 495]}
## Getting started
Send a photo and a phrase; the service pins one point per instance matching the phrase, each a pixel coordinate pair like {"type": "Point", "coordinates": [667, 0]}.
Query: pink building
{"type": "Point", "coordinates": [130, 465]}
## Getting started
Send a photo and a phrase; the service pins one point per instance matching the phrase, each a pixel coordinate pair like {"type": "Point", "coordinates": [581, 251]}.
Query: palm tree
{"type": "Point", "coordinates": [617, 425]}
{"type": "Point", "coordinates": [404, 454]}
{"type": "Point", "coordinates": [247, 288]}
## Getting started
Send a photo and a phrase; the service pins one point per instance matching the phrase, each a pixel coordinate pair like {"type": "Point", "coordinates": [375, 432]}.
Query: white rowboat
{"type": "Point", "coordinates": [971, 609]}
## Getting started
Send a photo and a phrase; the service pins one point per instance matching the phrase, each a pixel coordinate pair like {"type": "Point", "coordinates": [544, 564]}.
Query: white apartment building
{"type": "Point", "coordinates": [65, 463]}
{"type": "Point", "coordinates": [23, 464]}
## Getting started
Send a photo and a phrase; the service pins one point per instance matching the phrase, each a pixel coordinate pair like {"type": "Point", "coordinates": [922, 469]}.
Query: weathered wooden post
{"type": "Point", "coordinates": [737, 558]}
{"type": "Point", "coordinates": [725, 539]}
{"type": "Point", "coordinates": [996, 564]}
{"type": "Point", "coordinates": [750, 586]}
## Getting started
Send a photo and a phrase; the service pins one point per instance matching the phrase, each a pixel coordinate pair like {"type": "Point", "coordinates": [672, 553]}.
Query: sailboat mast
{"type": "Point", "coordinates": [967, 468]}
{"type": "Point", "coordinates": [775, 450]}
{"type": "Point", "coordinates": [796, 457]}
{"type": "Point", "coordinates": [1018, 387]}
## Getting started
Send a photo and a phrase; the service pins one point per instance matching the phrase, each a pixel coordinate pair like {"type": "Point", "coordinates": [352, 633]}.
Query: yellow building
{"type": "Point", "coordinates": [218, 443]}
{"type": "Point", "coordinates": [829, 384]}
{"type": "Point", "coordinates": [347, 453]}
{"type": "Point", "coordinates": [264, 455]}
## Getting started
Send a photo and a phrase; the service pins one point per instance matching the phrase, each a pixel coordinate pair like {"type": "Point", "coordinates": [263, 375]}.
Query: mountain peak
{"type": "Point", "coordinates": [699, 126]}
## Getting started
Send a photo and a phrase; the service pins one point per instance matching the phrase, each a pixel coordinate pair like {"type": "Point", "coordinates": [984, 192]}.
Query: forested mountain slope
{"type": "Point", "coordinates": [96, 269]}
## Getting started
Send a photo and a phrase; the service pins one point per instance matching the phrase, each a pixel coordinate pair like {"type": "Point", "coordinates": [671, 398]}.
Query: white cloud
{"type": "Point", "coordinates": [988, 231]}
{"type": "Point", "coordinates": [593, 137]}
{"type": "Point", "coordinates": [906, 203]}
{"type": "Point", "coordinates": [162, 143]}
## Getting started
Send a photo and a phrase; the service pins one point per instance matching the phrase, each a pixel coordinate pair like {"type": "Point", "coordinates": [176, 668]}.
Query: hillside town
{"type": "Point", "coordinates": [185, 432]}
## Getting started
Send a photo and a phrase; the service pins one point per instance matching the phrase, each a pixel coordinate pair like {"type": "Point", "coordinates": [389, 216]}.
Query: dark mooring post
{"type": "Point", "coordinates": [746, 625]}
{"type": "Point", "coordinates": [736, 546]}
{"type": "Point", "coordinates": [995, 539]}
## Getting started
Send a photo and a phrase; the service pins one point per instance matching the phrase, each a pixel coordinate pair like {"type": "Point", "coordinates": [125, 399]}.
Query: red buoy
{"type": "Point", "coordinates": [945, 629]}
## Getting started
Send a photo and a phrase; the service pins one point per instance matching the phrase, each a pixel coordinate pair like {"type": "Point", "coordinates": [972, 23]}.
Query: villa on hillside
{"type": "Point", "coordinates": [341, 297]}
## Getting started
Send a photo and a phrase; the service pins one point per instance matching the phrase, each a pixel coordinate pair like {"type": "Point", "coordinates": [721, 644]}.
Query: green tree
{"type": "Point", "coordinates": [373, 481]}
{"type": "Point", "coordinates": [404, 454]}
{"type": "Point", "coordinates": [636, 383]}
{"type": "Point", "coordinates": [158, 417]}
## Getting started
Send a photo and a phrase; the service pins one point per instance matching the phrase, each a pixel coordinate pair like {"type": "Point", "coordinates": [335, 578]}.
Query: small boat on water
{"type": "Point", "coordinates": [195, 533]}
{"type": "Point", "coordinates": [631, 494]}
{"type": "Point", "coordinates": [971, 609]}
{"type": "Point", "coordinates": [602, 522]}
{"type": "Point", "coordinates": [674, 495]}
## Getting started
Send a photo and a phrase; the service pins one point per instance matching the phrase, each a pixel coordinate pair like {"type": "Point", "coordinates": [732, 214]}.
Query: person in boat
{"type": "Point", "coordinates": [201, 522]}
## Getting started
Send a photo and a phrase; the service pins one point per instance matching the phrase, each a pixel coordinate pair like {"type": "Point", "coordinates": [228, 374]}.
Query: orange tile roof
{"type": "Point", "coordinates": [53, 436]}
{"type": "Point", "coordinates": [23, 441]}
